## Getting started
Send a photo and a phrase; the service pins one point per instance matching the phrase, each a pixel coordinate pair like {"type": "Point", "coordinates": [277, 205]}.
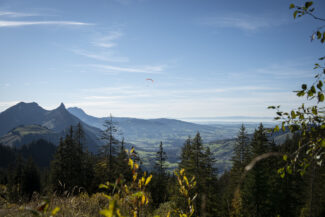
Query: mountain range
{"type": "Point", "coordinates": [27, 122]}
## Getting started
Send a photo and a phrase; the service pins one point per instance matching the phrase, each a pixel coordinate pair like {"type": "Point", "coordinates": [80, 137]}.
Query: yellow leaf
{"type": "Point", "coordinates": [107, 196]}
{"type": "Point", "coordinates": [55, 210]}
{"type": "Point", "coordinates": [148, 180]}
{"type": "Point", "coordinates": [186, 180]}
{"type": "Point", "coordinates": [140, 184]}
{"type": "Point", "coordinates": [132, 150]}
{"type": "Point", "coordinates": [103, 186]}
{"type": "Point", "coordinates": [131, 163]}
{"type": "Point", "coordinates": [126, 189]}
{"type": "Point", "coordinates": [135, 176]}
{"type": "Point", "coordinates": [118, 213]}
{"type": "Point", "coordinates": [143, 199]}
{"type": "Point", "coordinates": [106, 212]}
{"type": "Point", "coordinates": [142, 180]}
{"type": "Point", "coordinates": [181, 172]}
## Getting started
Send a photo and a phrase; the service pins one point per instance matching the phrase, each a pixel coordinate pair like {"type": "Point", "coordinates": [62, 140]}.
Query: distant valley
{"type": "Point", "coordinates": [27, 122]}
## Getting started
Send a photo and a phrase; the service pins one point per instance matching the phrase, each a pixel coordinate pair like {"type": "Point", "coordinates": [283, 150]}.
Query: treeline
{"type": "Point", "coordinates": [263, 190]}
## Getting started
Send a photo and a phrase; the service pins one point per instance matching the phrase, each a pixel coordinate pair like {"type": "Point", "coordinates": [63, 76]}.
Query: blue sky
{"type": "Point", "coordinates": [207, 58]}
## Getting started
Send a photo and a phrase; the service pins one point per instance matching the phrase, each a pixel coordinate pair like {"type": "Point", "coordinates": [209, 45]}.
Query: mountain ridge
{"type": "Point", "coordinates": [57, 121]}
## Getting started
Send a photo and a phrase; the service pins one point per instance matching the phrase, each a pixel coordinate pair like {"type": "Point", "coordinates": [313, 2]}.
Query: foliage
{"type": "Point", "coordinates": [186, 188]}
{"type": "Point", "coordinates": [132, 197]}
{"type": "Point", "coordinates": [159, 184]}
{"type": "Point", "coordinates": [308, 119]}
{"type": "Point", "coordinates": [70, 169]}
{"type": "Point", "coordinates": [109, 136]}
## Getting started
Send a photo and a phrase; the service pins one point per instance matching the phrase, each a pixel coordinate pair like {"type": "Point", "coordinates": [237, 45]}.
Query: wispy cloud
{"type": "Point", "coordinates": [108, 40]}
{"type": "Point", "coordinates": [102, 56]}
{"type": "Point", "coordinates": [148, 69]}
{"type": "Point", "coordinates": [16, 14]}
{"type": "Point", "coordinates": [7, 23]}
{"type": "Point", "coordinates": [137, 92]}
{"type": "Point", "coordinates": [281, 72]}
{"type": "Point", "coordinates": [252, 105]}
{"type": "Point", "coordinates": [240, 21]}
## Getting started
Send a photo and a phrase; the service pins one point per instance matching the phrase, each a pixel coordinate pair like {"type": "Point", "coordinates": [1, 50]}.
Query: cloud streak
{"type": "Point", "coordinates": [239, 21]}
{"type": "Point", "coordinates": [7, 23]}
{"type": "Point", "coordinates": [16, 14]}
{"type": "Point", "coordinates": [149, 69]}
{"type": "Point", "coordinates": [108, 40]}
{"type": "Point", "coordinates": [102, 56]}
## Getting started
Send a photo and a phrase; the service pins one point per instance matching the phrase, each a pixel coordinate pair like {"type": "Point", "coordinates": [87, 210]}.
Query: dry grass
{"type": "Point", "coordinates": [81, 206]}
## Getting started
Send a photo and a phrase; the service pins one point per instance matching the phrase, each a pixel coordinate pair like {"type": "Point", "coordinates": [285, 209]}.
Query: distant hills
{"type": "Point", "coordinates": [146, 134]}
{"type": "Point", "coordinates": [149, 132]}
{"type": "Point", "coordinates": [25, 122]}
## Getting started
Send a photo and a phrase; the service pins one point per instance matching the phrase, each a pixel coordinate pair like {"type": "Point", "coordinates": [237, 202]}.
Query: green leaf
{"type": "Point", "coordinates": [313, 89]}
{"type": "Point", "coordinates": [304, 86]}
{"type": "Point", "coordinates": [314, 110]}
{"type": "Point", "coordinates": [291, 6]}
{"type": "Point", "coordinates": [308, 4]}
{"type": "Point", "coordinates": [285, 157]}
{"type": "Point", "coordinates": [271, 107]}
{"type": "Point", "coordinates": [323, 143]}
{"type": "Point", "coordinates": [295, 14]}
{"type": "Point", "coordinates": [293, 114]}
{"type": "Point", "coordinates": [320, 97]}
{"type": "Point", "coordinates": [289, 170]}
{"type": "Point", "coordinates": [319, 35]}
{"type": "Point", "coordinates": [301, 93]}
{"type": "Point", "coordinates": [276, 128]}
{"type": "Point", "coordinates": [320, 85]}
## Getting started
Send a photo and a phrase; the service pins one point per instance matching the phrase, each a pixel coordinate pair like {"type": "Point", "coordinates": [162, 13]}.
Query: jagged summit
{"type": "Point", "coordinates": [60, 108]}
{"type": "Point", "coordinates": [62, 105]}
{"type": "Point", "coordinates": [57, 121]}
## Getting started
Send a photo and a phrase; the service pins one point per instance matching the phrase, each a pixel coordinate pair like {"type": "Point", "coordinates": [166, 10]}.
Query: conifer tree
{"type": "Point", "coordinates": [160, 161]}
{"type": "Point", "coordinates": [109, 136]}
{"type": "Point", "coordinates": [210, 185]}
{"type": "Point", "coordinates": [68, 166]}
{"type": "Point", "coordinates": [30, 179]}
{"type": "Point", "coordinates": [186, 153]}
{"type": "Point", "coordinates": [241, 149]}
{"type": "Point", "coordinates": [122, 167]}
{"type": "Point", "coordinates": [158, 186]}
{"type": "Point", "coordinates": [15, 180]}
{"type": "Point", "coordinates": [256, 189]}
{"type": "Point", "coordinates": [198, 162]}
